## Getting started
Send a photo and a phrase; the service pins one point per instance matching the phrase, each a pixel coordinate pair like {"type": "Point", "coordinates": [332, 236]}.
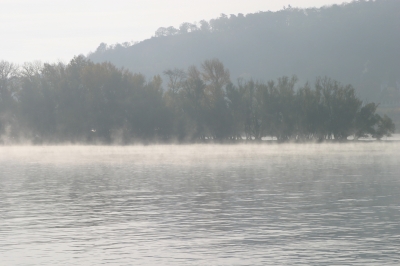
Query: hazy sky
{"type": "Point", "coordinates": [51, 30]}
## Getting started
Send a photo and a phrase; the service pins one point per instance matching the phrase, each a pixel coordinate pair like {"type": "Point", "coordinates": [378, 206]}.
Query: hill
{"type": "Point", "coordinates": [356, 43]}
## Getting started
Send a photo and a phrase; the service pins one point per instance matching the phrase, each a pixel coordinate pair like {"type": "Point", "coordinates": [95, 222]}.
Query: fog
{"type": "Point", "coordinates": [193, 154]}
{"type": "Point", "coordinates": [225, 136]}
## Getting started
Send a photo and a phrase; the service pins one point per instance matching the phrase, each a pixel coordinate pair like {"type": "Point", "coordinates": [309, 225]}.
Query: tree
{"type": "Point", "coordinates": [171, 31]}
{"type": "Point", "coordinates": [235, 104]}
{"type": "Point", "coordinates": [176, 77]}
{"type": "Point", "coordinates": [340, 105]}
{"type": "Point", "coordinates": [283, 113]}
{"type": "Point", "coordinates": [216, 77]}
{"type": "Point", "coordinates": [184, 27]}
{"type": "Point", "coordinates": [251, 108]}
{"type": "Point", "coordinates": [366, 121]}
{"type": "Point", "coordinates": [8, 72]}
{"type": "Point", "coordinates": [162, 31]}
{"type": "Point", "coordinates": [204, 26]}
{"type": "Point", "coordinates": [385, 127]}
{"type": "Point", "coordinates": [215, 74]}
{"type": "Point", "coordinates": [195, 105]}
{"type": "Point", "coordinates": [9, 87]}
{"type": "Point", "coordinates": [308, 115]}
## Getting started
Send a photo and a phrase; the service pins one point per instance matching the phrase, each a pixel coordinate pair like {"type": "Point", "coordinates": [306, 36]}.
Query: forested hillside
{"type": "Point", "coordinates": [356, 43]}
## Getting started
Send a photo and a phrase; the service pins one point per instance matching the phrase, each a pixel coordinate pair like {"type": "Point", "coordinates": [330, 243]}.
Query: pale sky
{"type": "Point", "coordinates": [53, 30]}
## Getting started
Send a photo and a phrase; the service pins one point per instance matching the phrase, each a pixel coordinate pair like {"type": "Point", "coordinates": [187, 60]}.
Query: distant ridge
{"type": "Point", "coordinates": [356, 43]}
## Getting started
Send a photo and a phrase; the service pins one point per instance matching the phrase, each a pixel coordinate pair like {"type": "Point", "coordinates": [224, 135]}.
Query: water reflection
{"type": "Point", "coordinates": [200, 205]}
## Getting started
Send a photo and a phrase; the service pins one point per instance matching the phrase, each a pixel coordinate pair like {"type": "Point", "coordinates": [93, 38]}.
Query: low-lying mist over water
{"type": "Point", "coordinates": [188, 154]}
{"type": "Point", "coordinates": [286, 204]}
{"type": "Point", "coordinates": [258, 139]}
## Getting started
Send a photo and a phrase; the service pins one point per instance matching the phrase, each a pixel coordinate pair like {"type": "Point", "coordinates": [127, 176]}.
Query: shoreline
{"type": "Point", "coordinates": [205, 142]}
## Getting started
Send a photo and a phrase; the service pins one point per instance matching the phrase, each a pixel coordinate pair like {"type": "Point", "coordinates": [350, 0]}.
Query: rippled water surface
{"type": "Point", "coordinates": [320, 204]}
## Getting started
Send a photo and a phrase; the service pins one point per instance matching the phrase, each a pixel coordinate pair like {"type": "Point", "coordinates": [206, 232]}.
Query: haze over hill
{"type": "Point", "coordinates": [356, 43]}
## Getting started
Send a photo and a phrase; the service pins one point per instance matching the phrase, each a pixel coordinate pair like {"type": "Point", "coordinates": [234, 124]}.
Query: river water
{"type": "Point", "coordinates": [289, 204]}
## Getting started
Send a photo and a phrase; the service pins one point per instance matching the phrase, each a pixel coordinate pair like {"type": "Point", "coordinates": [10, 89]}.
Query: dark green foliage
{"type": "Point", "coordinates": [87, 102]}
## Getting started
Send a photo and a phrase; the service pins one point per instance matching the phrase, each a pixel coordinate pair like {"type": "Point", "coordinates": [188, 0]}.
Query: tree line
{"type": "Point", "coordinates": [91, 102]}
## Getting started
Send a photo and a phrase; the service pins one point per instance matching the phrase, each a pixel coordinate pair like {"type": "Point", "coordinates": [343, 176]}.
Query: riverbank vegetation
{"type": "Point", "coordinates": [91, 102]}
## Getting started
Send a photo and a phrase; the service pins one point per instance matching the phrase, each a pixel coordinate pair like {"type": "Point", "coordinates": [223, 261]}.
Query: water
{"type": "Point", "coordinates": [321, 204]}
